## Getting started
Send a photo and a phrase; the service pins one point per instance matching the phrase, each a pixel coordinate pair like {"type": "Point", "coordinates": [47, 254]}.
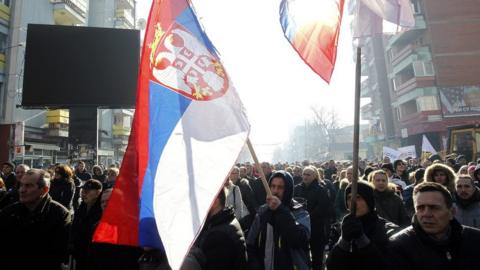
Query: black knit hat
{"type": "Point", "coordinates": [364, 190]}
{"type": "Point", "coordinates": [388, 166]}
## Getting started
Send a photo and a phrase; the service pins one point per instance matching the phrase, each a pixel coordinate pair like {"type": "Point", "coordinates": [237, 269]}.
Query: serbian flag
{"type": "Point", "coordinates": [189, 128]}
{"type": "Point", "coordinates": [313, 27]}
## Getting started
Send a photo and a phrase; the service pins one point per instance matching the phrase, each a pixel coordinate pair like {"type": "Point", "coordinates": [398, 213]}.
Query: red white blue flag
{"type": "Point", "coordinates": [189, 127]}
{"type": "Point", "coordinates": [312, 27]}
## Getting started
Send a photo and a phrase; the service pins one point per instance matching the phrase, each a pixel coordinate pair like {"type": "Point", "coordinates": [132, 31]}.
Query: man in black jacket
{"type": "Point", "coordinates": [364, 240]}
{"type": "Point", "coordinates": [221, 241]}
{"type": "Point", "coordinates": [85, 221]}
{"type": "Point", "coordinates": [278, 238]}
{"type": "Point", "coordinates": [435, 240]}
{"type": "Point", "coordinates": [35, 228]}
{"type": "Point", "coordinates": [319, 208]}
{"type": "Point", "coordinates": [248, 198]}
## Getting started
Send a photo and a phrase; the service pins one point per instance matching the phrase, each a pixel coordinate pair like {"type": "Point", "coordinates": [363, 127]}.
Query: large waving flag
{"type": "Point", "coordinates": [312, 27]}
{"type": "Point", "coordinates": [189, 127]}
{"type": "Point", "coordinates": [382, 16]}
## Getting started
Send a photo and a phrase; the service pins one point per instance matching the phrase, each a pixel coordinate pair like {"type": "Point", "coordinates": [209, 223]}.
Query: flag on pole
{"type": "Point", "coordinates": [189, 127]}
{"type": "Point", "coordinates": [427, 146]}
{"type": "Point", "coordinates": [312, 27]}
{"type": "Point", "coordinates": [382, 16]}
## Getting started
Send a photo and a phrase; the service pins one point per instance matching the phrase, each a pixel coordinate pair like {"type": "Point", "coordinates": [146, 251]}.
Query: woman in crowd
{"type": "Point", "coordinates": [442, 174]}
{"type": "Point", "coordinates": [62, 187]}
{"type": "Point", "coordinates": [388, 204]}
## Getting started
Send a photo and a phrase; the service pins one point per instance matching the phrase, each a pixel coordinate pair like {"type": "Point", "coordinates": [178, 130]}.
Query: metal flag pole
{"type": "Point", "coordinates": [259, 168]}
{"type": "Point", "coordinates": [356, 130]}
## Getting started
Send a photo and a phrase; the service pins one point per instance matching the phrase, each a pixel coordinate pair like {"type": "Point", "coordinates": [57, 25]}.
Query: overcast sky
{"type": "Point", "coordinates": [276, 87]}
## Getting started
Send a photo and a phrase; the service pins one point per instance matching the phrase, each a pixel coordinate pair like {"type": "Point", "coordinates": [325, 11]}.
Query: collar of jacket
{"type": "Point", "coordinates": [454, 234]}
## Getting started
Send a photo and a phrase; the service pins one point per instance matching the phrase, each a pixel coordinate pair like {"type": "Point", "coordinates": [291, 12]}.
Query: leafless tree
{"type": "Point", "coordinates": [327, 122]}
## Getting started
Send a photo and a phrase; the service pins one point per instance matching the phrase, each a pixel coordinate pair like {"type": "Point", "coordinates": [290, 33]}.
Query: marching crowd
{"type": "Point", "coordinates": [407, 216]}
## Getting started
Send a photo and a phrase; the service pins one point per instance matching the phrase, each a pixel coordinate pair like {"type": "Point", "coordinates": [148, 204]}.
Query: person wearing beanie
{"type": "Point", "coordinates": [363, 243]}
{"type": "Point", "coordinates": [387, 203]}
{"type": "Point", "coordinates": [278, 238]}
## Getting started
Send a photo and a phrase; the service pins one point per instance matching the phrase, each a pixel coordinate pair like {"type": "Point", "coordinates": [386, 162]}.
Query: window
{"type": "Point", "coordinates": [423, 68]}
{"type": "Point", "coordinates": [428, 103]}
{"type": "Point", "coordinates": [417, 8]}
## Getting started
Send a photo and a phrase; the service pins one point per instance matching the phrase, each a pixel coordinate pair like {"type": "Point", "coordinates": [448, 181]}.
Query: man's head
{"type": "Point", "coordinates": [20, 171]}
{"type": "Point", "coordinates": [249, 168]}
{"type": "Point", "coordinates": [112, 174]}
{"type": "Point", "coordinates": [400, 166]}
{"type": "Point", "coordinates": [281, 185]}
{"type": "Point", "coordinates": [464, 186]}
{"type": "Point", "coordinates": [433, 208]}
{"type": "Point", "coordinates": [243, 172]}
{"type": "Point", "coordinates": [365, 200]}
{"type": "Point", "coordinates": [267, 168]}
{"type": "Point", "coordinates": [81, 166]}
{"type": "Point", "coordinates": [297, 171]}
{"type": "Point", "coordinates": [91, 191]}
{"type": "Point", "coordinates": [461, 160]}
{"type": "Point", "coordinates": [7, 168]}
{"type": "Point", "coordinates": [34, 185]}
{"type": "Point", "coordinates": [386, 159]}
{"type": "Point", "coordinates": [331, 163]}
{"type": "Point", "coordinates": [309, 175]}
{"type": "Point", "coordinates": [388, 168]}
{"type": "Point", "coordinates": [234, 175]}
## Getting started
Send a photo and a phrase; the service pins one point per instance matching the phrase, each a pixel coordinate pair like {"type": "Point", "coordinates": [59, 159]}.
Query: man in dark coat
{"type": "Point", "coordinates": [248, 198]}
{"type": "Point", "coordinates": [257, 185]}
{"type": "Point", "coordinates": [319, 208]}
{"type": "Point", "coordinates": [436, 240]}
{"type": "Point", "coordinates": [222, 241]}
{"type": "Point", "coordinates": [364, 240]}
{"type": "Point", "coordinates": [81, 172]}
{"type": "Point", "coordinates": [85, 221]}
{"type": "Point", "coordinates": [37, 227]}
{"type": "Point", "coordinates": [278, 238]}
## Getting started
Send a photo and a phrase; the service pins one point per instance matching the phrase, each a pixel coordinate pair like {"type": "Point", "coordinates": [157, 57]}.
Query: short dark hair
{"type": "Point", "coordinates": [431, 187]}
{"type": "Point", "coordinates": [44, 177]}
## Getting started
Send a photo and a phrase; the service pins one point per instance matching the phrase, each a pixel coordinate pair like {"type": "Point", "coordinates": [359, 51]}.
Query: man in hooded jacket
{"type": "Point", "coordinates": [278, 237]}
{"type": "Point", "coordinates": [467, 202]}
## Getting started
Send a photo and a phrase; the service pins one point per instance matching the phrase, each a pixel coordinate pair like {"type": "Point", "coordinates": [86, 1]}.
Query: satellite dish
{"type": "Point", "coordinates": [141, 24]}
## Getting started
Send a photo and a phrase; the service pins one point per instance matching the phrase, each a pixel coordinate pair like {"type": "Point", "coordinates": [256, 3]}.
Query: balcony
{"type": "Point", "coordinates": [413, 83]}
{"type": "Point", "coordinates": [119, 130]}
{"type": "Point", "coordinates": [124, 19]}
{"type": "Point", "coordinates": [4, 14]}
{"type": "Point", "coordinates": [58, 116]}
{"type": "Point", "coordinates": [126, 4]}
{"type": "Point", "coordinates": [406, 36]}
{"type": "Point", "coordinates": [69, 12]}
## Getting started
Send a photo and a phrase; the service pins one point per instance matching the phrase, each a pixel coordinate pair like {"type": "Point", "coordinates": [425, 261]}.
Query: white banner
{"type": "Point", "coordinates": [391, 153]}
{"type": "Point", "coordinates": [407, 151]}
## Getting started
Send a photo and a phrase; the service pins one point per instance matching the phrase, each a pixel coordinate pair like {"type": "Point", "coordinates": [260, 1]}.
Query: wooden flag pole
{"type": "Point", "coordinates": [356, 131]}
{"type": "Point", "coordinates": [259, 168]}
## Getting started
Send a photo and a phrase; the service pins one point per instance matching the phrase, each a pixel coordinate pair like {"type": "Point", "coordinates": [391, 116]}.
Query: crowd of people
{"type": "Point", "coordinates": [407, 215]}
